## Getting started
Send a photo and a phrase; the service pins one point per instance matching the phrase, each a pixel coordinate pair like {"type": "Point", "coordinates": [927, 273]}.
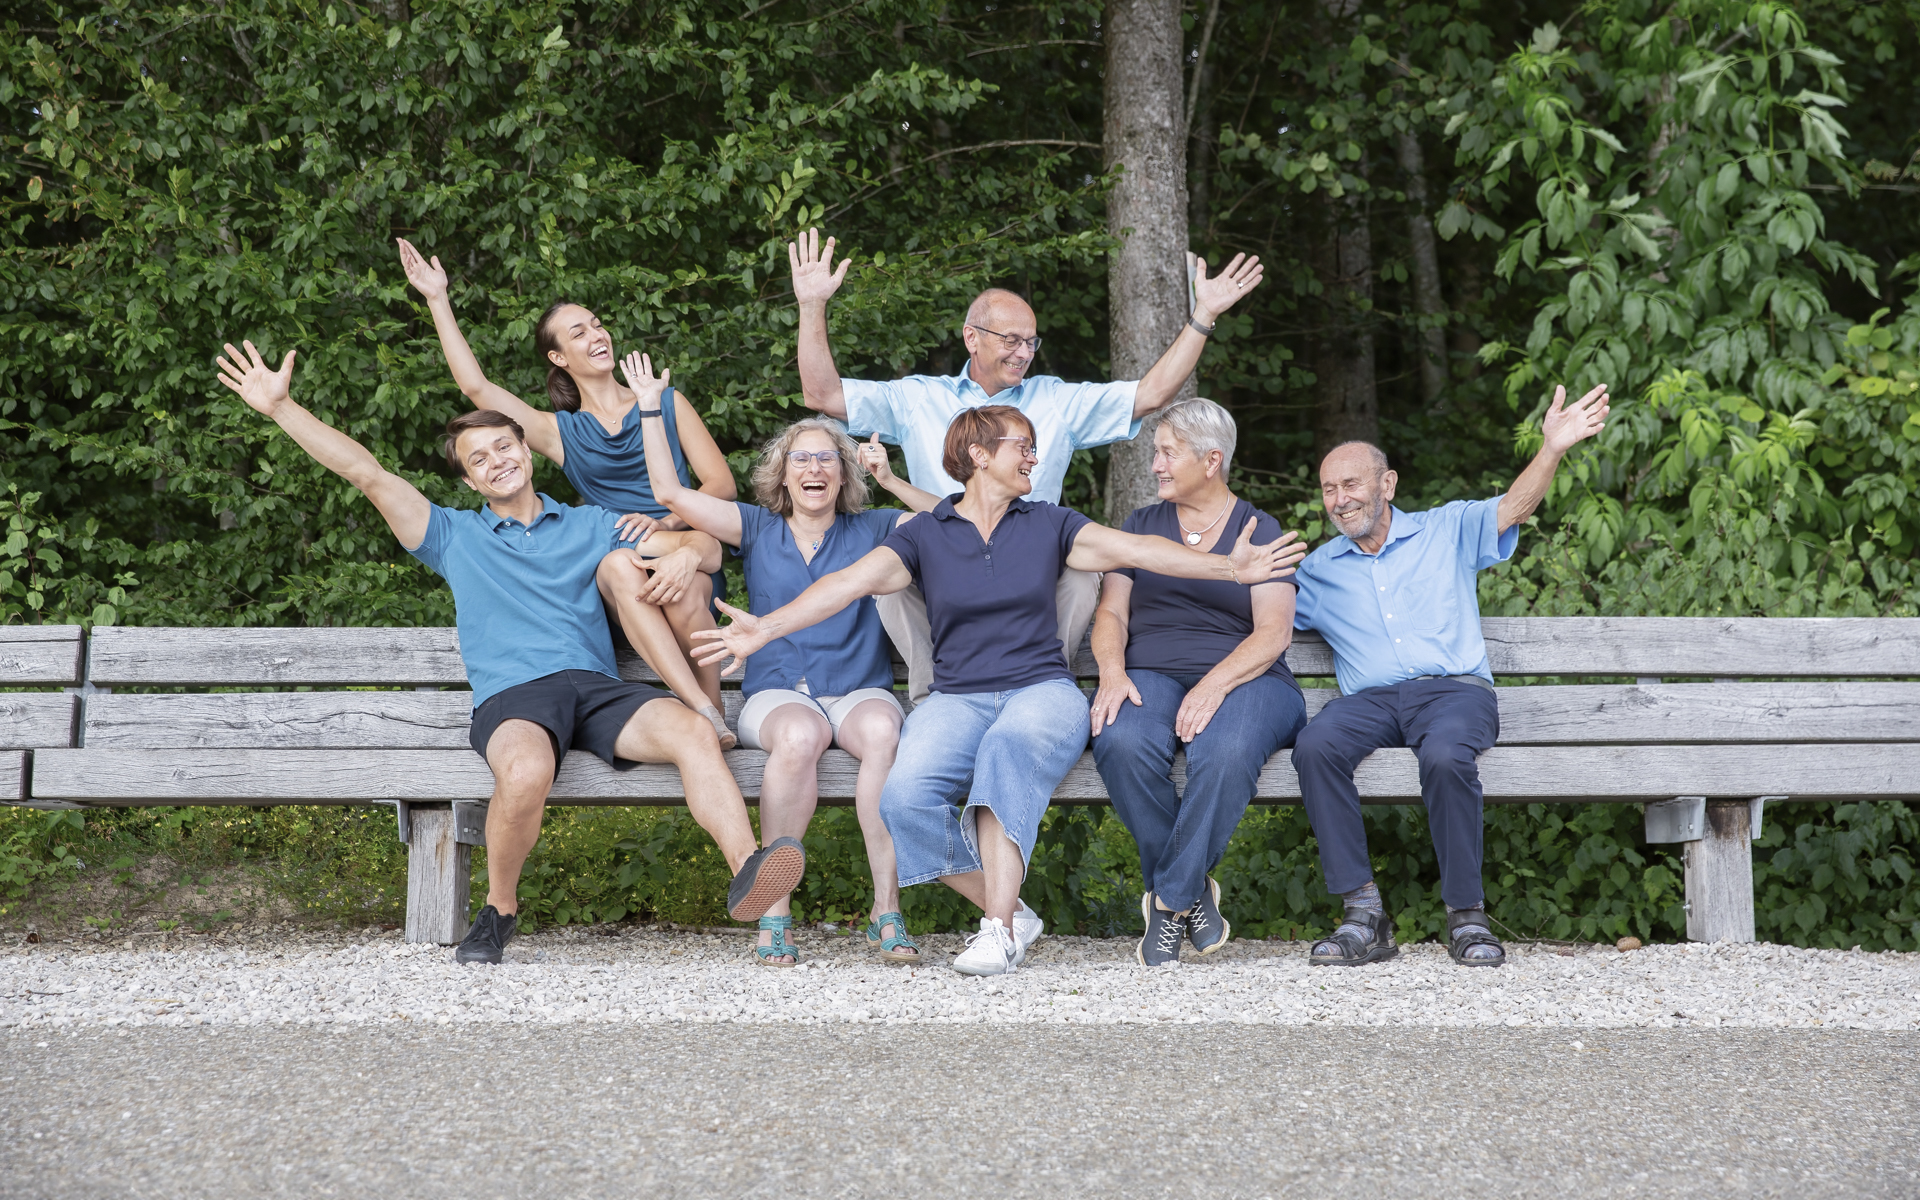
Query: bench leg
{"type": "Point", "coordinates": [439, 874]}
{"type": "Point", "coordinates": [1720, 875]}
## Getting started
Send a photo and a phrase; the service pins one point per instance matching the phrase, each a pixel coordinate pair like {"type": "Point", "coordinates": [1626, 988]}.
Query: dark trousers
{"type": "Point", "coordinates": [1448, 724]}
{"type": "Point", "coordinates": [1181, 838]}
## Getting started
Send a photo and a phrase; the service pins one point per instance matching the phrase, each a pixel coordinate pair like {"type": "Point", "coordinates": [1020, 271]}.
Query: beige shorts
{"type": "Point", "coordinates": [835, 709]}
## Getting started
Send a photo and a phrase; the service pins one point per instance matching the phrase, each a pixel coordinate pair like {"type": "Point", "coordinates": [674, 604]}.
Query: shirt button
{"type": "Point", "coordinates": [1383, 589]}
{"type": "Point", "coordinates": [1396, 641]}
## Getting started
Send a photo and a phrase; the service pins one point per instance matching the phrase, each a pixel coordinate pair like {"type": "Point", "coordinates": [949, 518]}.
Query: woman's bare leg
{"type": "Point", "coordinates": [795, 736]}
{"type": "Point", "coordinates": [692, 612]}
{"type": "Point", "coordinates": [620, 579]}
{"type": "Point", "coordinates": [871, 733]}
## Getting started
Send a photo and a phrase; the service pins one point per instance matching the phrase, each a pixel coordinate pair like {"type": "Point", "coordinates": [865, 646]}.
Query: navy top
{"type": "Point", "coordinates": [1186, 626]}
{"type": "Point", "coordinates": [523, 595]}
{"type": "Point", "coordinates": [611, 470]}
{"type": "Point", "coordinates": [845, 652]}
{"type": "Point", "coordinates": [991, 605]}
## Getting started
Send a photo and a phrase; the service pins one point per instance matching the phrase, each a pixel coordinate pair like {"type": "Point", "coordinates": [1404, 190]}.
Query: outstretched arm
{"type": "Point", "coordinates": [1098, 548]}
{"type": "Point", "coordinates": [815, 280]}
{"type": "Point", "coordinates": [1565, 428]}
{"type": "Point", "coordinates": [1211, 297]}
{"type": "Point", "coordinates": [430, 280]}
{"type": "Point", "coordinates": [873, 456]}
{"type": "Point", "coordinates": [266, 391]}
{"type": "Point", "coordinates": [878, 573]}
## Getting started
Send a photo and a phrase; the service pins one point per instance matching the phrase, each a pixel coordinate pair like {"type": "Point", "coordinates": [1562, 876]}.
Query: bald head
{"type": "Point", "coordinates": [1354, 453]}
{"type": "Point", "coordinates": [998, 308]}
{"type": "Point", "coordinates": [1001, 338]}
{"type": "Point", "coordinates": [1356, 486]}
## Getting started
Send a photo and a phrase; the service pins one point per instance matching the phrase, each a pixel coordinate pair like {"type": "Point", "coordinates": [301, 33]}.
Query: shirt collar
{"type": "Point", "coordinates": [548, 508]}
{"type": "Point", "coordinates": [965, 380]}
{"type": "Point", "coordinates": [943, 511]}
{"type": "Point", "coordinates": [1402, 525]}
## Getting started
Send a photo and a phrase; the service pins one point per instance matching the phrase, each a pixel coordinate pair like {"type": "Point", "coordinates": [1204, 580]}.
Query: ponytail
{"type": "Point", "coordinates": [562, 392]}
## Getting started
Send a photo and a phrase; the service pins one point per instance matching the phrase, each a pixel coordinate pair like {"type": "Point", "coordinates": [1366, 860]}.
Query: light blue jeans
{"type": "Point", "coordinates": [1005, 751]}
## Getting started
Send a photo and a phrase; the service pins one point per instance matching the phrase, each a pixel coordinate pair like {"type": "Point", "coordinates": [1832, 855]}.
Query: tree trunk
{"type": "Point", "coordinates": [1347, 408]}
{"type": "Point", "coordinates": [1431, 345]}
{"type": "Point", "coordinates": [1145, 131]}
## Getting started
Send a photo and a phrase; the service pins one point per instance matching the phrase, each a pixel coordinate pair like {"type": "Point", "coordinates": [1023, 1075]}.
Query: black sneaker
{"type": "Point", "coordinates": [1206, 928]}
{"type": "Point", "coordinates": [765, 878]}
{"type": "Point", "coordinates": [489, 936]}
{"type": "Point", "coordinates": [1161, 945]}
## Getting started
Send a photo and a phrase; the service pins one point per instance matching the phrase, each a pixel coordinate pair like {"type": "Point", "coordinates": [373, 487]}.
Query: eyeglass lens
{"type": "Point", "coordinates": [801, 458]}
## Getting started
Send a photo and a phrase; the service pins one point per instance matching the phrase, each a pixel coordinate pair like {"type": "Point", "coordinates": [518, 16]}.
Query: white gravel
{"type": "Point", "coordinates": [645, 976]}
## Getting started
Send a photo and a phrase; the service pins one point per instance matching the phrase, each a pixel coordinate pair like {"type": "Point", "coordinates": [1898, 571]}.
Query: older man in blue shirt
{"type": "Point", "coordinates": [1002, 338]}
{"type": "Point", "coordinates": [1394, 596]}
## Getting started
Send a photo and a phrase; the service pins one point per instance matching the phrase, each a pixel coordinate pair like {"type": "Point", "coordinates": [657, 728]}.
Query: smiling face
{"type": "Point", "coordinates": [995, 367]}
{"type": "Point", "coordinates": [1008, 464]}
{"type": "Point", "coordinates": [494, 462]}
{"type": "Point", "coordinates": [576, 343]}
{"type": "Point", "coordinates": [814, 487]}
{"type": "Point", "coordinates": [1356, 489]}
{"type": "Point", "coordinates": [1178, 473]}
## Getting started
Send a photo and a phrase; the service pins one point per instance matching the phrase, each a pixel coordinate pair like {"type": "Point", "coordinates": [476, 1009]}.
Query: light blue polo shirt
{"type": "Point", "coordinates": [1412, 609]}
{"type": "Point", "coordinates": [523, 595]}
{"type": "Point", "coordinates": [913, 413]}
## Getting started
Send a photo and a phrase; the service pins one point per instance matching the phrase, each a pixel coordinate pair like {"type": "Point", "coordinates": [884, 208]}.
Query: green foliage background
{"type": "Point", "coordinates": [1708, 205]}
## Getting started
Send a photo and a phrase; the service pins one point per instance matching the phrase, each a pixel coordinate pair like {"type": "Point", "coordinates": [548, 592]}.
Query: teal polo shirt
{"type": "Point", "coordinates": [524, 596]}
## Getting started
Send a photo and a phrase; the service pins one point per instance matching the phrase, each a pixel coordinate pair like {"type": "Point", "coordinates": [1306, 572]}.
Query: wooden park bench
{"type": "Point", "coordinates": [1657, 711]}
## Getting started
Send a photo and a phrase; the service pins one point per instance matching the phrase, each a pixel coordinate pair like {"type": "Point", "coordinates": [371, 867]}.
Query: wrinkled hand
{"type": "Point", "coordinates": [636, 527]}
{"type": "Point", "coordinates": [1107, 701]}
{"type": "Point", "coordinates": [1211, 297]}
{"type": "Point", "coordinates": [638, 369]}
{"type": "Point", "coordinates": [740, 639]}
{"type": "Point", "coordinates": [672, 574]}
{"type": "Point", "coordinates": [1256, 564]}
{"type": "Point", "coordinates": [1567, 427]}
{"type": "Point", "coordinates": [815, 279]}
{"type": "Point", "coordinates": [873, 456]}
{"type": "Point", "coordinates": [427, 278]}
{"type": "Point", "coordinates": [1203, 700]}
{"type": "Point", "coordinates": [260, 386]}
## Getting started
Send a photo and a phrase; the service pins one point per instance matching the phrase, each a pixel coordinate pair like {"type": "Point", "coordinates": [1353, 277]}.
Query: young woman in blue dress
{"type": "Point", "coordinates": [831, 684]}
{"type": "Point", "coordinates": [593, 435]}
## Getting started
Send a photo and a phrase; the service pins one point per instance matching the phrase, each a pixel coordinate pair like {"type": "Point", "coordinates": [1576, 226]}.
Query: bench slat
{"type": "Point", "coordinates": [39, 655]}
{"type": "Point", "coordinates": [1698, 713]}
{"type": "Point", "coordinates": [126, 656]}
{"type": "Point", "coordinates": [1509, 774]}
{"type": "Point", "coordinates": [13, 775]}
{"type": "Point", "coordinates": [29, 720]}
{"type": "Point", "coordinates": [1712, 646]}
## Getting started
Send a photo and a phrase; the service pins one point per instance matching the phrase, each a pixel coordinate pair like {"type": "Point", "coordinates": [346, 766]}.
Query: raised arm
{"type": "Point", "coordinates": [815, 280]}
{"type": "Point", "coordinates": [1565, 428]}
{"type": "Point", "coordinates": [1098, 548]}
{"type": "Point", "coordinates": [878, 573]}
{"type": "Point", "coordinates": [266, 391]}
{"type": "Point", "coordinates": [1110, 623]}
{"type": "Point", "coordinates": [873, 456]}
{"type": "Point", "coordinates": [1252, 658]}
{"type": "Point", "coordinates": [700, 509]}
{"type": "Point", "coordinates": [430, 280]}
{"type": "Point", "coordinates": [1211, 297]}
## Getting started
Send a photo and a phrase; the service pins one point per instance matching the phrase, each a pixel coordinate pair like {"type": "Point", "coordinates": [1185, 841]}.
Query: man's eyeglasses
{"type": "Point", "coordinates": [1012, 341]}
{"type": "Point", "coordinates": [800, 458]}
{"type": "Point", "coordinates": [1027, 448]}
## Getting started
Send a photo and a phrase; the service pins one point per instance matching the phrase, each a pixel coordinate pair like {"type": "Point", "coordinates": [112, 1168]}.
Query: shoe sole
{"type": "Point", "coordinates": [1226, 928]}
{"type": "Point", "coordinates": [482, 959]}
{"type": "Point", "coordinates": [1377, 954]}
{"type": "Point", "coordinates": [780, 872]}
{"type": "Point", "coordinates": [1006, 970]}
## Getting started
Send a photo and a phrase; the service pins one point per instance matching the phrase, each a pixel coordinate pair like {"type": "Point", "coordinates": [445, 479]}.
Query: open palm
{"type": "Point", "coordinates": [262, 387]}
{"type": "Point", "coordinates": [428, 277]}
{"type": "Point", "coordinates": [814, 278]}
{"type": "Point", "coordinates": [1218, 294]}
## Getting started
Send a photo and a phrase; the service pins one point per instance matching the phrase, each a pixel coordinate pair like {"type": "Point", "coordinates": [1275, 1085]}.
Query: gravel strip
{"type": "Point", "coordinates": [646, 977]}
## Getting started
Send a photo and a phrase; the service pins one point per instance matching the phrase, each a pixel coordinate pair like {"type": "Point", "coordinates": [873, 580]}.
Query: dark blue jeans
{"type": "Point", "coordinates": [1181, 838]}
{"type": "Point", "coordinates": [1448, 724]}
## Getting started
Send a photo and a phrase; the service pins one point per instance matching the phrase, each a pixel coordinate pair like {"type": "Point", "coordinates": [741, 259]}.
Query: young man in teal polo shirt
{"type": "Point", "coordinates": [526, 575]}
{"type": "Point", "coordinates": [1394, 596]}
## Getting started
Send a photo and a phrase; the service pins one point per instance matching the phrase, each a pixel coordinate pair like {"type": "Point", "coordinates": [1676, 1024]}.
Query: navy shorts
{"type": "Point", "coordinates": [580, 710]}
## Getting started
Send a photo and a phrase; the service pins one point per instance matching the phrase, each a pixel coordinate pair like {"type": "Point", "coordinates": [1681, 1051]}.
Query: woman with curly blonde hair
{"type": "Point", "coordinates": [832, 684]}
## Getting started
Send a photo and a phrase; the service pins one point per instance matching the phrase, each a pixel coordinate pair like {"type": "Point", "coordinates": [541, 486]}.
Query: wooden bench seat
{"type": "Point", "coordinates": [1829, 720]}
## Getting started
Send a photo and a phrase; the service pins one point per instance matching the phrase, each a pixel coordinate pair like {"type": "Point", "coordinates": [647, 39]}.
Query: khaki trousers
{"type": "Point", "coordinates": [904, 613]}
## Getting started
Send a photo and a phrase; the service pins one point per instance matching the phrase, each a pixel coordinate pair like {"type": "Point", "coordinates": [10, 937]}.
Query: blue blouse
{"type": "Point", "coordinates": [845, 652]}
{"type": "Point", "coordinates": [611, 470]}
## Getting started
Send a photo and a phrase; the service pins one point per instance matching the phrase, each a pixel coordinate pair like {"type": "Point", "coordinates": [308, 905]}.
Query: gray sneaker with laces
{"type": "Point", "coordinates": [1165, 929]}
{"type": "Point", "coordinates": [1206, 928]}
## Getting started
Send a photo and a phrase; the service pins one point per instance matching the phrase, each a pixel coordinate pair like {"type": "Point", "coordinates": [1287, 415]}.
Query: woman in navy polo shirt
{"type": "Point", "coordinates": [831, 684]}
{"type": "Point", "coordinates": [1196, 663]}
{"type": "Point", "coordinates": [593, 436]}
{"type": "Point", "coordinates": [980, 757]}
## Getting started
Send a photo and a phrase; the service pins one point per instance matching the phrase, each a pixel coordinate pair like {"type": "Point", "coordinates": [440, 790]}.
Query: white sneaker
{"type": "Point", "coordinates": [1027, 927]}
{"type": "Point", "coordinates": [992, 951]}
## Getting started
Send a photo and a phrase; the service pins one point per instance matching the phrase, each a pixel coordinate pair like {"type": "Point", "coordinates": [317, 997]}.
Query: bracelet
{"type": "Point", "coordinates": [650, 412]}
{"type": "Point", "coordinates": [1203, 330]}
{"type": "Point", "coordinates": [1233, 571]}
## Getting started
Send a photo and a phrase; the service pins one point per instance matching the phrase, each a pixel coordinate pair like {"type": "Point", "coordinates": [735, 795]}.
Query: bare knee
{"type": "Point", "coordinates": [798, 739]}
{"type": "Point", "coordinates": [523, 778]}
{"type": "Point", "coordinates": [620, 574]}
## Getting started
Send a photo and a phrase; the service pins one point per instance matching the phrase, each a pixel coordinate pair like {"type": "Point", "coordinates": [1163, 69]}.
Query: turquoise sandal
{"type": "Point", "coordinates": [898, 948]}
{"type": "Point", "coordinates": [781, 947]}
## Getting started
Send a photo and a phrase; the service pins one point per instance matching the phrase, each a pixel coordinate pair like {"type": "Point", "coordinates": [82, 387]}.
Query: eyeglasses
{"type": "Point", "coordinates": [826, 458]}
{"type": "Point", "coordinates": [1012, 341]}
{"type": "Point", "coordinates": [1027, 448]}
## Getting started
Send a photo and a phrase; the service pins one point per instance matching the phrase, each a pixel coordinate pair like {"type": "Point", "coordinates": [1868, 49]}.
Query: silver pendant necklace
{"type": "Point", "coordinates": [1194, 536]}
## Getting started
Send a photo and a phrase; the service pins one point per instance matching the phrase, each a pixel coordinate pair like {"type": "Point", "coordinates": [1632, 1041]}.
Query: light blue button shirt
{"type": "Point", "coordinates": [1412, 609]}
{"type": "Point", "coordinates": [913, 413]}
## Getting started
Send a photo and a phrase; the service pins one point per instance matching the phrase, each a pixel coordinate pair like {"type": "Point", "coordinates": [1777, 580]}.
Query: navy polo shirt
{"type": "Point", "coordinates": [1186, 626]}
{"type": "Point", "coordinates": [991, 603]}
{"type": "Point", "coordinates": [845, 652]}
{"type": "Point", "coordinates": [523, 595]}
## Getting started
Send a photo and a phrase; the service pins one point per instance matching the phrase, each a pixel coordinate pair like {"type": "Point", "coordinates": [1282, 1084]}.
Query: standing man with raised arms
{"type": "Point", "coordinates": [1002, 337]}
